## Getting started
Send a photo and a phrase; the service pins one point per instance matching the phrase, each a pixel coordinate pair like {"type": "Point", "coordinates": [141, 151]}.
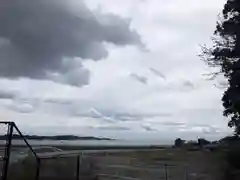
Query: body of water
{"type": "Point", "coordinates": [93, 142]}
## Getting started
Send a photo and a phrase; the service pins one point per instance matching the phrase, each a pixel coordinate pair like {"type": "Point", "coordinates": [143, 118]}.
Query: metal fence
{"type": "Point", "coordinates": [60, 167]}
{"type": "Point", "coordinates": [11, 141]}
{"type": "Point", "coordinates": [19, 160]}
{"type": "Point", "coordinates": [4, 131]}
{"type": "Point", "coordinates": [134, 169]}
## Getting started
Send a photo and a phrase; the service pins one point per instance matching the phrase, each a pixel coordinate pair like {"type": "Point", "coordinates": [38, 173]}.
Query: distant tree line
{"type": "Point", "coordinates": [201, 142]}
{"type": "Point", "coordinates": [58, 137]}
{"type": "Point", "coordinates": [228, 147]}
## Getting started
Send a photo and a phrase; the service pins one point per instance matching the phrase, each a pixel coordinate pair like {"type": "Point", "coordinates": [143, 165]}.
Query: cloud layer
{"type": "Point", "coordinates": [47, 45]}
{"type": "Point", "coordinates": [39, 39]}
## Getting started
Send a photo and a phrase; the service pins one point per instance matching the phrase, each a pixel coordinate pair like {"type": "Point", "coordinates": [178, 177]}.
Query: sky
{"type": "Point", "coordinates": [125, 69]}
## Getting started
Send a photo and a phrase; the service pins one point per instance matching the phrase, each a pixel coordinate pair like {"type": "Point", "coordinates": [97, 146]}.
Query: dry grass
{"type": "Point", "coordinates": [140, 164]}
{"type": "Point", "coordinates": [180, 163]}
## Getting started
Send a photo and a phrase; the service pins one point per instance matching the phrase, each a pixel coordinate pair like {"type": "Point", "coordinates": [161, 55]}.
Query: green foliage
{"type": "Point", "coordinates": [232, 157]}
{"type": "Point", "coordinates": [179, 142]}
{"type": "Point", "coordinates": [230, 154]}
{"type": "Point", "coordinates": [202, 142]}
{"type": "Point", "coordinates": [225, 55]}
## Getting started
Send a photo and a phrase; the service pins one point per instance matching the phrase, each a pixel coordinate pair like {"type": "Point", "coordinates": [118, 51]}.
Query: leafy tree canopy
{"type": "Point", "coordinates": [225, 54]}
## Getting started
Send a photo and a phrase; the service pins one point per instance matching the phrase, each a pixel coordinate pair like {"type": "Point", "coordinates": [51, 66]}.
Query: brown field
{"type": "Point", "coordinates": [152, 164]}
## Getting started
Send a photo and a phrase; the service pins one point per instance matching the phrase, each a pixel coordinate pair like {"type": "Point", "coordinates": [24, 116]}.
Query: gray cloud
{"type": "Point", "coordinates": [115, 128]}
{"type": "Point", "coordinates": [157, 73]}
{"type": "Point", "coordinates": [139, 116]}
{"type": "Point", "coordinates": [188, 84]}
{"type": "Point", "coordinates": [72, 72]}
{"type": "Point", "coordinates": [8, 94]}
{"type": "Point", "coordinates": [204, 128]}
{"type": "Point", "coordinates": [173, 123]}
{"type": "Point", "coordinates": [93, 113]}
{"type": "Point", "coordinates": [35, 37]}
{"type": "Point", "coordinates": [113, 116]}
{"type": "Point", "coordinates": [17, 102]}
{"type": "Point", "coordinates": [208, 129]}
{"type": "Point", "coordinates": [148, 128]}
{"type": "Point", "coordinates": [58, 101]}
{"type": "Point", "coordinates": [21, 107]}
{"type": "Point", "coordinates": [140, 79]}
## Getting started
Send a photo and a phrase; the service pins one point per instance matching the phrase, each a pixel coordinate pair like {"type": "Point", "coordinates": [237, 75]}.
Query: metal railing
{"type": "Point", "coordinates": [75, 165]}
{"type": "Point", "coordinates": [137, 170]}
{"type": "Point", "coordinates": [60, 166]}
{"type": "Point", "coordinates": [7, 137]}
{"type": "Point", "coordinates": [19, 159]}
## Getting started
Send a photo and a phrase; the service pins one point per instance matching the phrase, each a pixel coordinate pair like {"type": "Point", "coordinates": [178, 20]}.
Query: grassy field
{"type": "Point", "coordinates": [179, 163]}
{"type": "Point", "coordinates": [165, 163]}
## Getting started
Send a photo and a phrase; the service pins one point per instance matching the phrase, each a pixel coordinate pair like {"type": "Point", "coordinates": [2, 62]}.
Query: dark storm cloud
{"type": "Point", "coordinates": [35, 37]}
{"type": "Point", "coordinates": [140, 79]}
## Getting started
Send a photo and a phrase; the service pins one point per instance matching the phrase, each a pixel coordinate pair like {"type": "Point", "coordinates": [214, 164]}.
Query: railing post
{"type": "Point", "coordinates": [7, 150]}
{"type": "Point", "coordinates": [78, 167]}
{"type": "Point", "coordinates": [166, 172]}
{"type": "Point", "coordinates": [24, 139]}
{"type": "Point", "coordinates": [38, 168]}
{"type": "Point", "coordinates": [186, 173]}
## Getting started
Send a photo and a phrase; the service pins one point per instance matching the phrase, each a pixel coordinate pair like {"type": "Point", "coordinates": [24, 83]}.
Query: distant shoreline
{"type": "Point", "coordinates": [58, 137]}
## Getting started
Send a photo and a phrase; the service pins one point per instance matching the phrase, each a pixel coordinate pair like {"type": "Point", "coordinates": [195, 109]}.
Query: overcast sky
{"type": "Point", "coordinates": [123, 69]}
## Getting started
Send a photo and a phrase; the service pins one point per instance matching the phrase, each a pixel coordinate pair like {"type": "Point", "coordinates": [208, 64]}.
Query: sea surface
{"type": "Point", "coordinates": [93, 142]}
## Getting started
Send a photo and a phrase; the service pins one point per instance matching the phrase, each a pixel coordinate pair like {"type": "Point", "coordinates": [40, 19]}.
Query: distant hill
{"type": "Point", "coordinates": [58, 137]}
